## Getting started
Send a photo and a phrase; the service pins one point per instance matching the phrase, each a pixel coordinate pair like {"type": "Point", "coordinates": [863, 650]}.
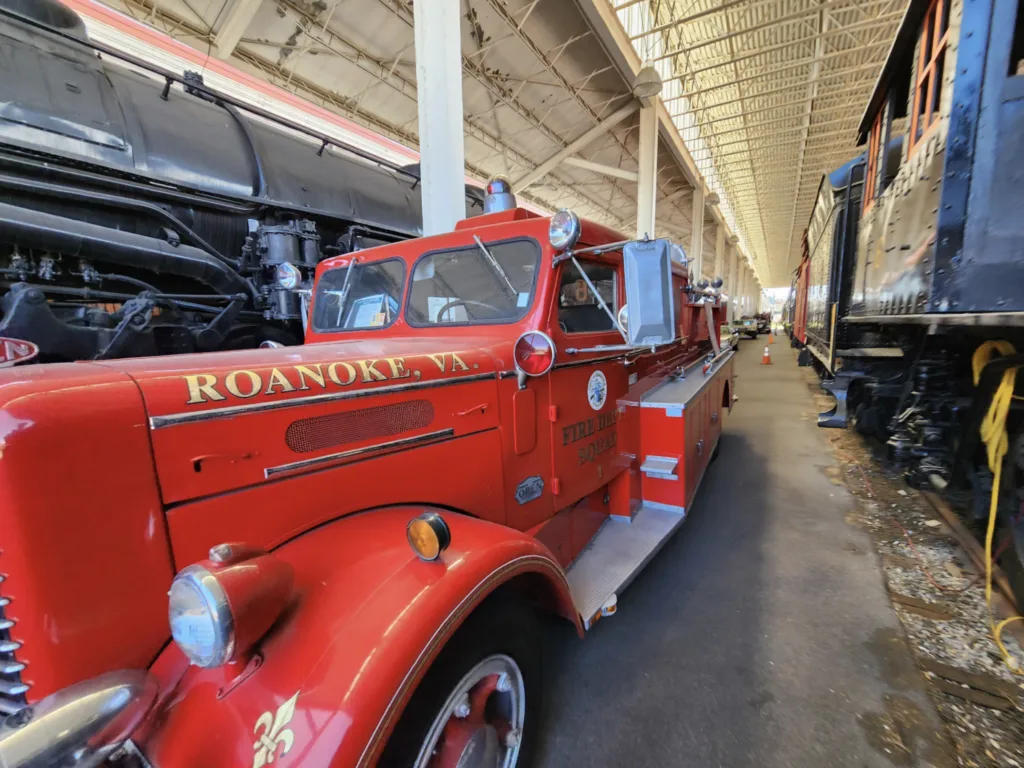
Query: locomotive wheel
{"type": "Point", "coordinates": [478, 705]}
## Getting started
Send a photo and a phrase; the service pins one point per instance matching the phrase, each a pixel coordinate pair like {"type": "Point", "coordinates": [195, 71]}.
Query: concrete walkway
{"type": "Point", "coordinates": [761, 635]}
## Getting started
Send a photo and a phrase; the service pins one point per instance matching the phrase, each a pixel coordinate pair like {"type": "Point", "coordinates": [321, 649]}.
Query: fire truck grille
{"type": "Point", "coordinates": [12, 689]}
{"type": "Point", "coordinates": [321, 432]}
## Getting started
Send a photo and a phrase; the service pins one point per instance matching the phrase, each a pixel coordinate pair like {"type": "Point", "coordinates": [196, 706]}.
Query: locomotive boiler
{"type": "Point", "coordinates": [914, 300]}
{"type": "Point", "coordinates": [143, 213]}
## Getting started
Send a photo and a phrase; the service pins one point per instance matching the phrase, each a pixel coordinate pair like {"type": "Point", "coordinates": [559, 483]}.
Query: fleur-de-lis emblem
{"type": "Point", "coordinates": [274, 734]}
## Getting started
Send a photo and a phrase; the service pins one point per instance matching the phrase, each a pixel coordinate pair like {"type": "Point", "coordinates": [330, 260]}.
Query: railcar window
{"type": "Point", "coordinates": [368, 298]}
{"type": "Point", "coordinates": [474, 285]}
{"type": "Point", "coordinates": [1017, 50]}
{"type": "Point", "coordinates": [578, 310]}
{"type": "Point", "coordinates": [875, 180]}
{"type": "Point", "coordinates": [931, 58]}
{"type": "Point", "coordinates": [874, 140]}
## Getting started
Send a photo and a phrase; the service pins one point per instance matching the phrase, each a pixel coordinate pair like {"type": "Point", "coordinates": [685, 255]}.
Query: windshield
{"type": "Point", "coordinates": [359, 296]}
{"type": "Point", "coordinates": [477, 284]}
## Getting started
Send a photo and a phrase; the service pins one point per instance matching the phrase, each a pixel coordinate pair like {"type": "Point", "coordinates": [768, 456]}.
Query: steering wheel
{"type": "Point", "coordinates": [465, 302]}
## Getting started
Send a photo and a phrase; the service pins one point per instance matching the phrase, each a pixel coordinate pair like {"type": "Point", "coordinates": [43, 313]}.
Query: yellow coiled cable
{"type": "Point", "coordinates": [997, 444]}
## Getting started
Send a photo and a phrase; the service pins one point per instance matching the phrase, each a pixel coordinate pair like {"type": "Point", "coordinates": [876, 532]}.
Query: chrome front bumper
{"type": "Point", "coordinates": [81, 725]}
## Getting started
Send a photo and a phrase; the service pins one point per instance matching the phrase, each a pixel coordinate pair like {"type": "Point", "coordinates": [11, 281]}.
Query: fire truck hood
{"type": "Point", "coordinates": [223, 422]}
{"type": "Point", "coordinates": [176, 388]}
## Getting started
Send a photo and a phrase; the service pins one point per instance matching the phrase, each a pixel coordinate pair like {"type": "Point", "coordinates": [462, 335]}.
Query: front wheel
{"type": "Point", "coordinates": [477, 706]}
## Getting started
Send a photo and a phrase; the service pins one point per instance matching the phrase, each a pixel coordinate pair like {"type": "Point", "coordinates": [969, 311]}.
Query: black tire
{"type": "Point", "coordinates": [501, 625]}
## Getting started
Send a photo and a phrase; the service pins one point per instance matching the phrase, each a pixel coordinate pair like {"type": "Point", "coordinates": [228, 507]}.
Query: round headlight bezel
{"type": "Point", "coordinates": [287, 276]}
{"type": "Point", "coordinates": [564, 230]}
{"type": "Point", "coordinates": [212, 600]}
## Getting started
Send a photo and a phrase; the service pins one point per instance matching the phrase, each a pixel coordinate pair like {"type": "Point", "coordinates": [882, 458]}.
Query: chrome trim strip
{"type": "Point", "coordinates": [173, 419]}
{"type": "Point", "coordinates": [596, 360]}
{"type": "Point", "coordinates": [334, 457]}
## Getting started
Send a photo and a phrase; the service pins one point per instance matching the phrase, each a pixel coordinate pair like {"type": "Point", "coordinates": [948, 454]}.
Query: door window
{"type": "Point", "coordinates": [368, 298]}
{"type": "Point", "coordinates": [578, 309]}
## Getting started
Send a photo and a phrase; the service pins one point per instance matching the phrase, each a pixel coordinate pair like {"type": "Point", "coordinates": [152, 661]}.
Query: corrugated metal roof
{"type": "Point", "coordinates": [765, 94]}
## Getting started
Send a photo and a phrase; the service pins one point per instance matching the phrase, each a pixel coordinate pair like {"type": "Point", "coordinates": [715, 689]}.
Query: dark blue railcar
{"type": "Point", "coordinates": [938, 268]}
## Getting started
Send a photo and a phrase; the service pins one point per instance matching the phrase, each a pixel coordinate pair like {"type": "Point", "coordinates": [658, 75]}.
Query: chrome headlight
{"type": "Point", "coordinates": [287, 276]}
{"type": "Point", "coordinates": [564, 230]}
{"type": "Point", "coordinates": [200, 617]}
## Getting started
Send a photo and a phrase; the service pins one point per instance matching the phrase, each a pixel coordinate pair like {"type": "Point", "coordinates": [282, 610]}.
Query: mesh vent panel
{"type": "Point", "coordinates": [321, 432]}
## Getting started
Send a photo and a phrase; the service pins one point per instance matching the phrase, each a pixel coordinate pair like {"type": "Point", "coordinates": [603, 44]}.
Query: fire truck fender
{"type": "Point", "coordinates": [368, 620]}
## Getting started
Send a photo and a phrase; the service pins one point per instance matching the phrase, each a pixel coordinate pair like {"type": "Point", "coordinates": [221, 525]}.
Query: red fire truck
{"type": "Point", "coordinates": [351, 539]}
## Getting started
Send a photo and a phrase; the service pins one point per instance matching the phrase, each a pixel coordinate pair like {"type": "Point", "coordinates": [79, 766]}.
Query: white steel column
{"type": "Point", "coordinates": [734, 277]}
{"type": "Point", "coordinates": [697, 232]}
{"type": "Point", "coordinates": [721, 269]}
{"type": "Point", "coordinates": [438, 33]}
{"type": "Point", "coordinates": [648, 173]}
{"type": "Point", "coordinates": [743, 287]}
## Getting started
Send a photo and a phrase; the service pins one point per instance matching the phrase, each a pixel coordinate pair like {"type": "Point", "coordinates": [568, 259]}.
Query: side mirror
{"type": "Point", "coordinates": [648, 270]}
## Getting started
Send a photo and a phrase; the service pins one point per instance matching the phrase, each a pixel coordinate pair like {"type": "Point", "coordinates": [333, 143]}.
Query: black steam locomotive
{"type": "Point", "coordinates": [910, 294]}
{"type": "Point", "coordinates": [143, 213]}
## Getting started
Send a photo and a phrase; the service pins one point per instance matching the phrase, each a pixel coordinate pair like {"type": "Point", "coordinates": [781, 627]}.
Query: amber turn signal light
{"type": "Point", "coordinates": [428, 536]}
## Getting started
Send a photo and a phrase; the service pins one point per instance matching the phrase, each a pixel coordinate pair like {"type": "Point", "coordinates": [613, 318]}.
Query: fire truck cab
{"type": "Point", "coordinates": [333, 554]}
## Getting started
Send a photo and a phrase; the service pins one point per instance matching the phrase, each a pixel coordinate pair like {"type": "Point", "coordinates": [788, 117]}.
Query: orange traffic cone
{"type": "Point", "coordinates": [771, 336]}
{"type": "Point", "coordinates": [766, 359]}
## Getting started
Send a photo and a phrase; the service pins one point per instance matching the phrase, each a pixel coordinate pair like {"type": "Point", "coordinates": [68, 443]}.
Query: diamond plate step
{"type": "Point", "coordinates": [616, 554]}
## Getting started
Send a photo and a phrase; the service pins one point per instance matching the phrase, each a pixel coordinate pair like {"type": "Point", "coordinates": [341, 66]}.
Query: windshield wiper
{"type": "Point", "coordinates": [496, 266]}
{"type": "Point", "coordinates": [343, 293]}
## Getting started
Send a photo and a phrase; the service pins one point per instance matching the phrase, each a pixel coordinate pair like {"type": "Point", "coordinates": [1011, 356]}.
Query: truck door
{"type": "Point", "coordinates": [585, 384]}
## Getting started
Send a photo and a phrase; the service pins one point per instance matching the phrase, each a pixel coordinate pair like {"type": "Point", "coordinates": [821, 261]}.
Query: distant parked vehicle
{"type": "Point", "coordinates": [746, 326]}
{"type": "Point", "coordinates": [728, 336]}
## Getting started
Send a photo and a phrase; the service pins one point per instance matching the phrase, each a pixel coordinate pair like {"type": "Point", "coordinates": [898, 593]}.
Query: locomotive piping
{"type": "Point", "coordinates": [34, 229]}
{"type": "Point", "coordinates": [126, 186]}
{"type": "Point", "coordinates": [88, 196]}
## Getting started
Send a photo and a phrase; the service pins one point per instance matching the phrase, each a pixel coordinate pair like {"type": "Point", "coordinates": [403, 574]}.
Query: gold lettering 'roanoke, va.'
{"type": "Point", "coordinates": [244, 384]}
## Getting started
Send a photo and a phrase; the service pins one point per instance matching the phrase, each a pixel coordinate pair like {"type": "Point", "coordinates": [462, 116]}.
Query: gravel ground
{"type": "Point", "coordinates": [948, 625]}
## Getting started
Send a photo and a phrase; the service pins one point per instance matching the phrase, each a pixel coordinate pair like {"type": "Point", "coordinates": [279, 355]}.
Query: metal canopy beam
{"type": "Point", "coordinates": [607, 170]}
{"type": "Point", "coordinates": [792, 87]}
{"type": "Point", "coordinates": [852, 119]}
{"type": "Point", "coordinates": [552, 162]}
{"type": "Point", "coordinates": [234, 26]}
{"type": "Point", "coordinates": [752, 142]}
{"type": "Point", "coordinates": [748, 30]}
{"type": "Point", "coordinates": [813, 81]}
{"type": "Point", "coordinates": [779, 71]}
{"type": "Point", "coordinates": [673, 196]}
{"type": "Point", "coordinates": [788, 46]}
{"type": "Point", "coordinates": [675, 23]}
{"type": "Point", "coordinates": [842, 106]}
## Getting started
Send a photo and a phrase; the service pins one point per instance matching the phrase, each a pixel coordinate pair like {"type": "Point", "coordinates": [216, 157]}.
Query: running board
{"type": "Point", "coordinates": [616, 554]}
